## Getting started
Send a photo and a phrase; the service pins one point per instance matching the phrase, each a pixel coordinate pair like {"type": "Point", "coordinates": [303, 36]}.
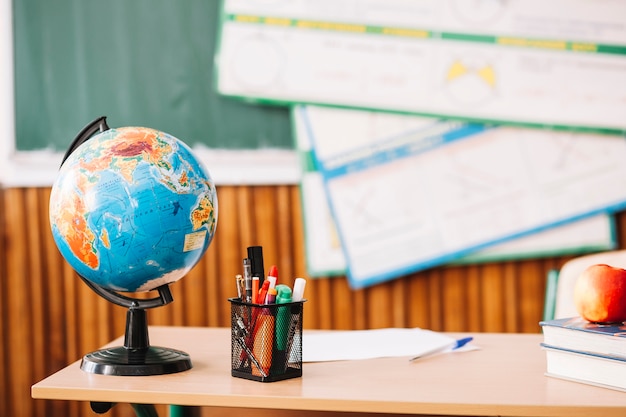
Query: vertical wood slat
{"type": "Point", "coordinates": [229, 254]}
{"type": "Point", "coordinates": [378, 300]}
{"type": "Point", "coordinates": [5, 377]}
{"type": "Point", "coordinates": [418, 306]}
{"type": "Point", "coordinates": [36, 282]}
{"type": "Point", "coordinates": [19, 318]}
{"type": "Point", "coordinates": [50, 318]}
{"type": "Point", "coordinates": [473, 314]}
{"type": "Point", "coordinates": [492, 302]}
{"type": "Point", "coordinates": [454, 301]}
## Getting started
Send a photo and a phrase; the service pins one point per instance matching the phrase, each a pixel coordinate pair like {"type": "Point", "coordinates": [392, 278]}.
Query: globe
{"type": "Point", "coordinates": [132, 209]}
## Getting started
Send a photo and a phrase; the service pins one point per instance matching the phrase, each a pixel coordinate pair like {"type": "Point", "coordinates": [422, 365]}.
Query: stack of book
{"type": "Point", "coordinates": [586, 352]}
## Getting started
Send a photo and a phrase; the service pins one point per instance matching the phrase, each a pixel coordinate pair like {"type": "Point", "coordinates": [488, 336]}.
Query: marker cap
{"type": "Point", "coordinates": [284, 294]}
{"type": "Point", "coordinates": [298, 289]}
{"type": "Point", "coordinates": [271, 295]}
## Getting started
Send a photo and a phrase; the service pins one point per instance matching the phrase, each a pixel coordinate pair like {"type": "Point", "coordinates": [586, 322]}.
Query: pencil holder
{"type": "Point", "coordinates": [266, 340]}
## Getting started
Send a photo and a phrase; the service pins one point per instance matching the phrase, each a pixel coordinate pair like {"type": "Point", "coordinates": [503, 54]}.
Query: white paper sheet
{"type": "Point", "coordinates": [368, 344]}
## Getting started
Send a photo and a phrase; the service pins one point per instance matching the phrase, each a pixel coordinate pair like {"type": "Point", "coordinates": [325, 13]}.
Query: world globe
{"type": "Point", "coordinates": [132, 209]}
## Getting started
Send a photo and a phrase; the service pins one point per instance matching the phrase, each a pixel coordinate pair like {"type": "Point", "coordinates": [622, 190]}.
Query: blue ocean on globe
{"type": "Point", "coordinates": [133, 209]}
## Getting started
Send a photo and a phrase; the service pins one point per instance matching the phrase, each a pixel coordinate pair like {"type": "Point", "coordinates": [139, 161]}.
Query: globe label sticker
{"type": "Point", "coordinates": [194, 240]}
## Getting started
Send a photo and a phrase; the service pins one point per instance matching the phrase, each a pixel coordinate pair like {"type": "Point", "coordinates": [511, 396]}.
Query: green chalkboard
{"type": "Point", "coordinates": [138, 62]}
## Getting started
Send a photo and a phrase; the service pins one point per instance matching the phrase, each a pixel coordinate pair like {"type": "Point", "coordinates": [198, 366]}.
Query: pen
{"type": "Point", "coordinates": [247, 276]}
{"type": "Point", "coordinates": [255, 254]}
{"type": "Point", "coordinates": [241, 289]}
{"type": "Point", "coordinates": [240, 337]}
{"type": "Point", "coordinates": [453, 346]}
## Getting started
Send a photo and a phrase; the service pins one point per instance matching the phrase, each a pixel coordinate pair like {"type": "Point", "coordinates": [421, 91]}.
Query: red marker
{"type": "Point", "coordinates": [273, 272]}
{"type": "Point", "coordinates": [263, 292]}
{"type": "Point", "coordinates": [272, 277]}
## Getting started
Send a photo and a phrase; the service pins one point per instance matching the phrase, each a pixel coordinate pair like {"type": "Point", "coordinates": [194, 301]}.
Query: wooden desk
{"type": "Point", "coordinates": [504, 378]}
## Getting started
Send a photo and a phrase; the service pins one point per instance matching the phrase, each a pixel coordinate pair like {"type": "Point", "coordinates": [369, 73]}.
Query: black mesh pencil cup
{"type": "Point", "coordinates": [266, 340]}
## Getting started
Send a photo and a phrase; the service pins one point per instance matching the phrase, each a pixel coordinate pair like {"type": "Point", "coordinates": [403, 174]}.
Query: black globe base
{"type": "Point", "coordinates": [136, 357]}
{"type": "Point", "coordinates": [122, 361]}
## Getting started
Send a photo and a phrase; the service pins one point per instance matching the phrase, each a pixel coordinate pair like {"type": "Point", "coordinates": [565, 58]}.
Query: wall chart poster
{"type": "Point", "coordinates": [324, 254]}
{"type": "Point", "coordinates": [432, 190]}
{"type": "Point", "coordinates": [533, 63]}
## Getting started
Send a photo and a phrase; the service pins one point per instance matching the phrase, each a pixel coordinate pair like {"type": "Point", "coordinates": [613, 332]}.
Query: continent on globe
{"type": "Point", "coordinates": [133, 209]}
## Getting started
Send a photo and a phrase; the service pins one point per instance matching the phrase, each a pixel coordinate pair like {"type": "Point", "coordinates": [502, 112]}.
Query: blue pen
{"type": "Point", "coordinates": [453, 346]}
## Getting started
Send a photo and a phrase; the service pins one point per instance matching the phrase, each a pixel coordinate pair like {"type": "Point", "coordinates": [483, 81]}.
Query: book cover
{"type": "Point", "coordinates": [584, 367]}
{"type": "Point", "coordinates": [576, 333]}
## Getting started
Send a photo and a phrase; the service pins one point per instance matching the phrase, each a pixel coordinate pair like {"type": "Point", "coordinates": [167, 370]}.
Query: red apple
{"type": "Point", "coordinates": [600, 294]}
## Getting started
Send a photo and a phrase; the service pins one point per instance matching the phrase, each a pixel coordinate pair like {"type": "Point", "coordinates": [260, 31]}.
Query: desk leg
{"type": "Point", "coordinates": [99, 407]}
{"type": "Point", "coordinates": [141, 410]}
{"type": "Point", "coordinates": [184, 411]}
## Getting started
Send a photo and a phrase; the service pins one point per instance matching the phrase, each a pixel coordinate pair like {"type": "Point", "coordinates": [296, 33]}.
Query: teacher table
{"type": "Point", "coordinates": [504, 378]}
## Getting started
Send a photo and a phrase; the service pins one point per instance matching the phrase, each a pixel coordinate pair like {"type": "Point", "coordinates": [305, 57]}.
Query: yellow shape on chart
{"type": "Point", "coordinates": [456, 70]}
{"type": "Point", "coordinates": [488, 74]}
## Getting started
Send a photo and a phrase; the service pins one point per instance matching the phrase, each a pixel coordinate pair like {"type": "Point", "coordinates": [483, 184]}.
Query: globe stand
{"type": "Point", "coordinates": [136, 357]}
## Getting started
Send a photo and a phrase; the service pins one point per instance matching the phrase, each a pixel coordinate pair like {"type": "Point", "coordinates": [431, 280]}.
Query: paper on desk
{"type": "Point", "coordinates": [368, 344]}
